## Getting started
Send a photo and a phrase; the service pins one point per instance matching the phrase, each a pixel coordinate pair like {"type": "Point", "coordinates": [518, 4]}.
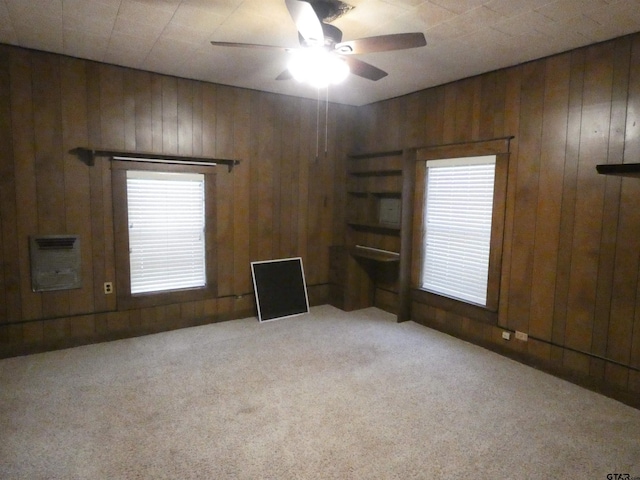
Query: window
{"type": "Point", "coordinates": [166, 231]}
{"type": "Point", "coordinates": [458, 212]}
{"type": "Point", "coordinates": [457, 221]}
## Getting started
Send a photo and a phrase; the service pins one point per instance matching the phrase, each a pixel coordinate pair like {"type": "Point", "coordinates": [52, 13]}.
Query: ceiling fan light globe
{"type": "Point", "coordinates": [339, 70]}
{"type": "Point", "coordinates": [317, 67]}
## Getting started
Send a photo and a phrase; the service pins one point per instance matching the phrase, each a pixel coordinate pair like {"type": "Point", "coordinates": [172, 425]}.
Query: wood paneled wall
{"type": "Point", "coordinates": [571, 250]}
{"type": "Point", "coordinates": [569, 275]}
{"type": "Point", "coordinates": [279, 202]}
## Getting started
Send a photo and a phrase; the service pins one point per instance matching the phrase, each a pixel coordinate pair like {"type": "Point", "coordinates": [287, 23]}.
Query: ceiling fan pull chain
{"type": "Point", "coordinates": [318, 125]}
{"type": "Point", "coordinates": [326, 123]}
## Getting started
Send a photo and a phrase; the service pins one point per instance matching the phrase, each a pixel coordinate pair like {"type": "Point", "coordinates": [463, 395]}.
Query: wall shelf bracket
{"type": "Point", "coordinates": [620, 169]}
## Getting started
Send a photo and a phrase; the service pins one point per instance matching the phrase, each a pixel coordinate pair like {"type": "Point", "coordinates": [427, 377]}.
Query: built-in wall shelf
{"type": "Point", "coordinates": [88, 154]}
{"type": "Point", "coordinates": [620, 169]}
{"type": "Point", "coordinates": [366, 267]}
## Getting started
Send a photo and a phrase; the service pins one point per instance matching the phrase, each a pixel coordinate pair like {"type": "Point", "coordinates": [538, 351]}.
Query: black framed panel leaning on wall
{"type": "Point", "coordinates": [280, 288]}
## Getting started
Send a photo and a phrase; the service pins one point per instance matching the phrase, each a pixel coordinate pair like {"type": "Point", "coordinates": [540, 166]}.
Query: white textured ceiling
{"type": "Point", "coordinates": [465, 37]}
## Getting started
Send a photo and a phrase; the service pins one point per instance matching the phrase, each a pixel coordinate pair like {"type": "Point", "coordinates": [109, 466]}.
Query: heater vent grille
{"type": "Point", "coordinates": [48, 243]}
{"type": "Point", "coordinates": [55, 262]}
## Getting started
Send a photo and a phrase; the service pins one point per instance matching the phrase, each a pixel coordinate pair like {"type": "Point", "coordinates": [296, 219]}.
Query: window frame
{"type": "Point", "coordinates": [121, 238]}
{"type": "Point", "coordinates": [173, 273]}
{"type": "Point", "coordinates": [499, 148]}
{"type": "Point", "coordinates": [457, 169]}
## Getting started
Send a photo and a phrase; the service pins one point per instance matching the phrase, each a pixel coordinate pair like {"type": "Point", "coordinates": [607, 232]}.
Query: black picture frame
{"type": "Point", "coordinates": [280, 288]}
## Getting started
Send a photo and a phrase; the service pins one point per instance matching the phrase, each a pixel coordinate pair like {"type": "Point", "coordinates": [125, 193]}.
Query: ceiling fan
{"type": "Point", "coordinates": [322, 49]}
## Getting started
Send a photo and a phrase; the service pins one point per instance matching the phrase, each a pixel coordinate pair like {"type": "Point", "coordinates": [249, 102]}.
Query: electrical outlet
{"type": "Point", "coordinates": [522, 336]}
{"type": "Point", "coordinates": [506, 335]}
{"type": "Point", "coordinates": [108, 288]}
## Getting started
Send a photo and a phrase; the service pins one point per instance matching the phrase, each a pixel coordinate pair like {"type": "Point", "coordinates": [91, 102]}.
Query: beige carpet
{"type": "Point", "coordinates": [329, 395]}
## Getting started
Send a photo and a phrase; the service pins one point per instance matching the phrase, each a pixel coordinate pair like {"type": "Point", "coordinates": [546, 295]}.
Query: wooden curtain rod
{"type": "Point", "coordinates": [87, 155]}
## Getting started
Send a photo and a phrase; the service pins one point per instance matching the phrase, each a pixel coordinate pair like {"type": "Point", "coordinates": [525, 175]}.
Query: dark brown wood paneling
{"type": "Point", "coordinates": [169, 115]}
{"type": "Point", "coordinates": [185, 117]}
{"type": "Point", "coordinates": [48, 144]}
{"type": "Point", "coordinates": [290, 137]}
{"type": "Point", "coordinates": [241, 193]}
{"type": "Point", "coordinates": [268, 144]}
{"type": "Point", "coordinates": [10, 305]}
{"type": "Point", "coordinates": [156, 113]}
{"type": "Point", "coordinates": [416, 110]}
{"type": "Point", "coordinates": [129, 105]}
{"type": "Point", "coordinates": [143, 116]}
{"type": "Point", "coordinates": [488, 110]}
{"type": "Point", "coordinates": [275, 203]}
{"type": "Point", "coordinates": [224, 184]}
{"type": "Point", "coordinates": [570, 263]}
{"type": "Point", "coordinates": [197, 119]}
{"type": "Point", "coordinates": [278, 166]}
{"type": "Point", "coordinates": [254, 199]}
{"type": "Point", "coordinates": [513, 80]}
{"type": "Point", "coordinates": [567, 215]}
{"type": "Point", "coordinates": [50, 181]}
{"type": "Point", "coordinates": [111, 111]}
{"type": "Point", "coordinates": [434, 122]}
{"type": "Point", "coordinates": [611, 209]}
{"type": "Point", "coordinates": [76, 176]}
{"type": "Point", "coordinates": [529, 135]}
{"type": "Point", "coordinates": [631, 192]}
{"type": "Point", "coordinates": [306, 155]}
{"type": "Point", "coordinates": [464, 110]}
{"type": "Point", "coordinates": [548, 208]}
{"type": "Point", "coordinates": [25, 176]}
{"type": "Point", "coordinates": [632, 130]}
{"type": "Point", "coordinates": [97, 207]}
{"type": "Point", "coordinates": [596, 113]}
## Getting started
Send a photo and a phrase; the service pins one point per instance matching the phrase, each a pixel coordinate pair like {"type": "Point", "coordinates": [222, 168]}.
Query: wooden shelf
{"type": "Point", "coordinates": [375, 173]}
{"type": "Point", "coordinates": [620, 169]}
{"type": "Point", "coordinates": [375, 164]}
{"type": "Point", "coordinates": [361, 156]}
{"type": "Point", "coordinates": [379, 193]}
{"type": "Point", "coordinates": [374, 254]}
{"type": "Point", "coordinates": [358, 193]}
{"type": "Point", "coordinates": [374, 226]}
{"type": "Point", "coordinates": [386, 194]}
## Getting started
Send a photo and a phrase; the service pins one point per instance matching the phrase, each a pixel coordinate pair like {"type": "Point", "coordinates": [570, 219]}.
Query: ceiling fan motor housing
{"type": "Point", "coordinates": [330, 10]}
{"type": "Point", "coordinates": [318, 38]}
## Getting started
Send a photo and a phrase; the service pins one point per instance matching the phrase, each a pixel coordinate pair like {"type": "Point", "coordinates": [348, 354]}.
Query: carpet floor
{"type": "Point", "coordinates": [327, 395]}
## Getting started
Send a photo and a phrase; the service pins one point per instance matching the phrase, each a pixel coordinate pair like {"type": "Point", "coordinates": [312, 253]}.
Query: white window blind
{"type": "Point", "coordinates": [166, 214]}
{"type": "Point", "coordinates": [458, 211]}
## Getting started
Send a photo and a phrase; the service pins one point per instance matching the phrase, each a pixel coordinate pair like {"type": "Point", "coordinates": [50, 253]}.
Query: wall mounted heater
{"type": "Point", "coordinates": [55, 262]}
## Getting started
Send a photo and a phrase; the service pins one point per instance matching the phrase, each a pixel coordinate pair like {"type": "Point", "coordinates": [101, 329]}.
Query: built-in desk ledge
{"type": "Point", "coordinates": [374, 226]}
{"type": "Point", "coordinates": [88, 154]}
{"type": "Point", "coordinates": [376, 254]}
{"type": "Point", "coordinates": [620, 169]}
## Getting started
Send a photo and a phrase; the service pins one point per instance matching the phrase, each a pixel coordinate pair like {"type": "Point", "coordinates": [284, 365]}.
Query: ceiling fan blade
{"type": "Point", "coordinates": [306, 20]}
{"type": "Point", "coordinates": [249, 45]}
{"type": "Point", "coordinates": [364, 69]}
{"type": "Point", "coordinates": [382, 43]}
